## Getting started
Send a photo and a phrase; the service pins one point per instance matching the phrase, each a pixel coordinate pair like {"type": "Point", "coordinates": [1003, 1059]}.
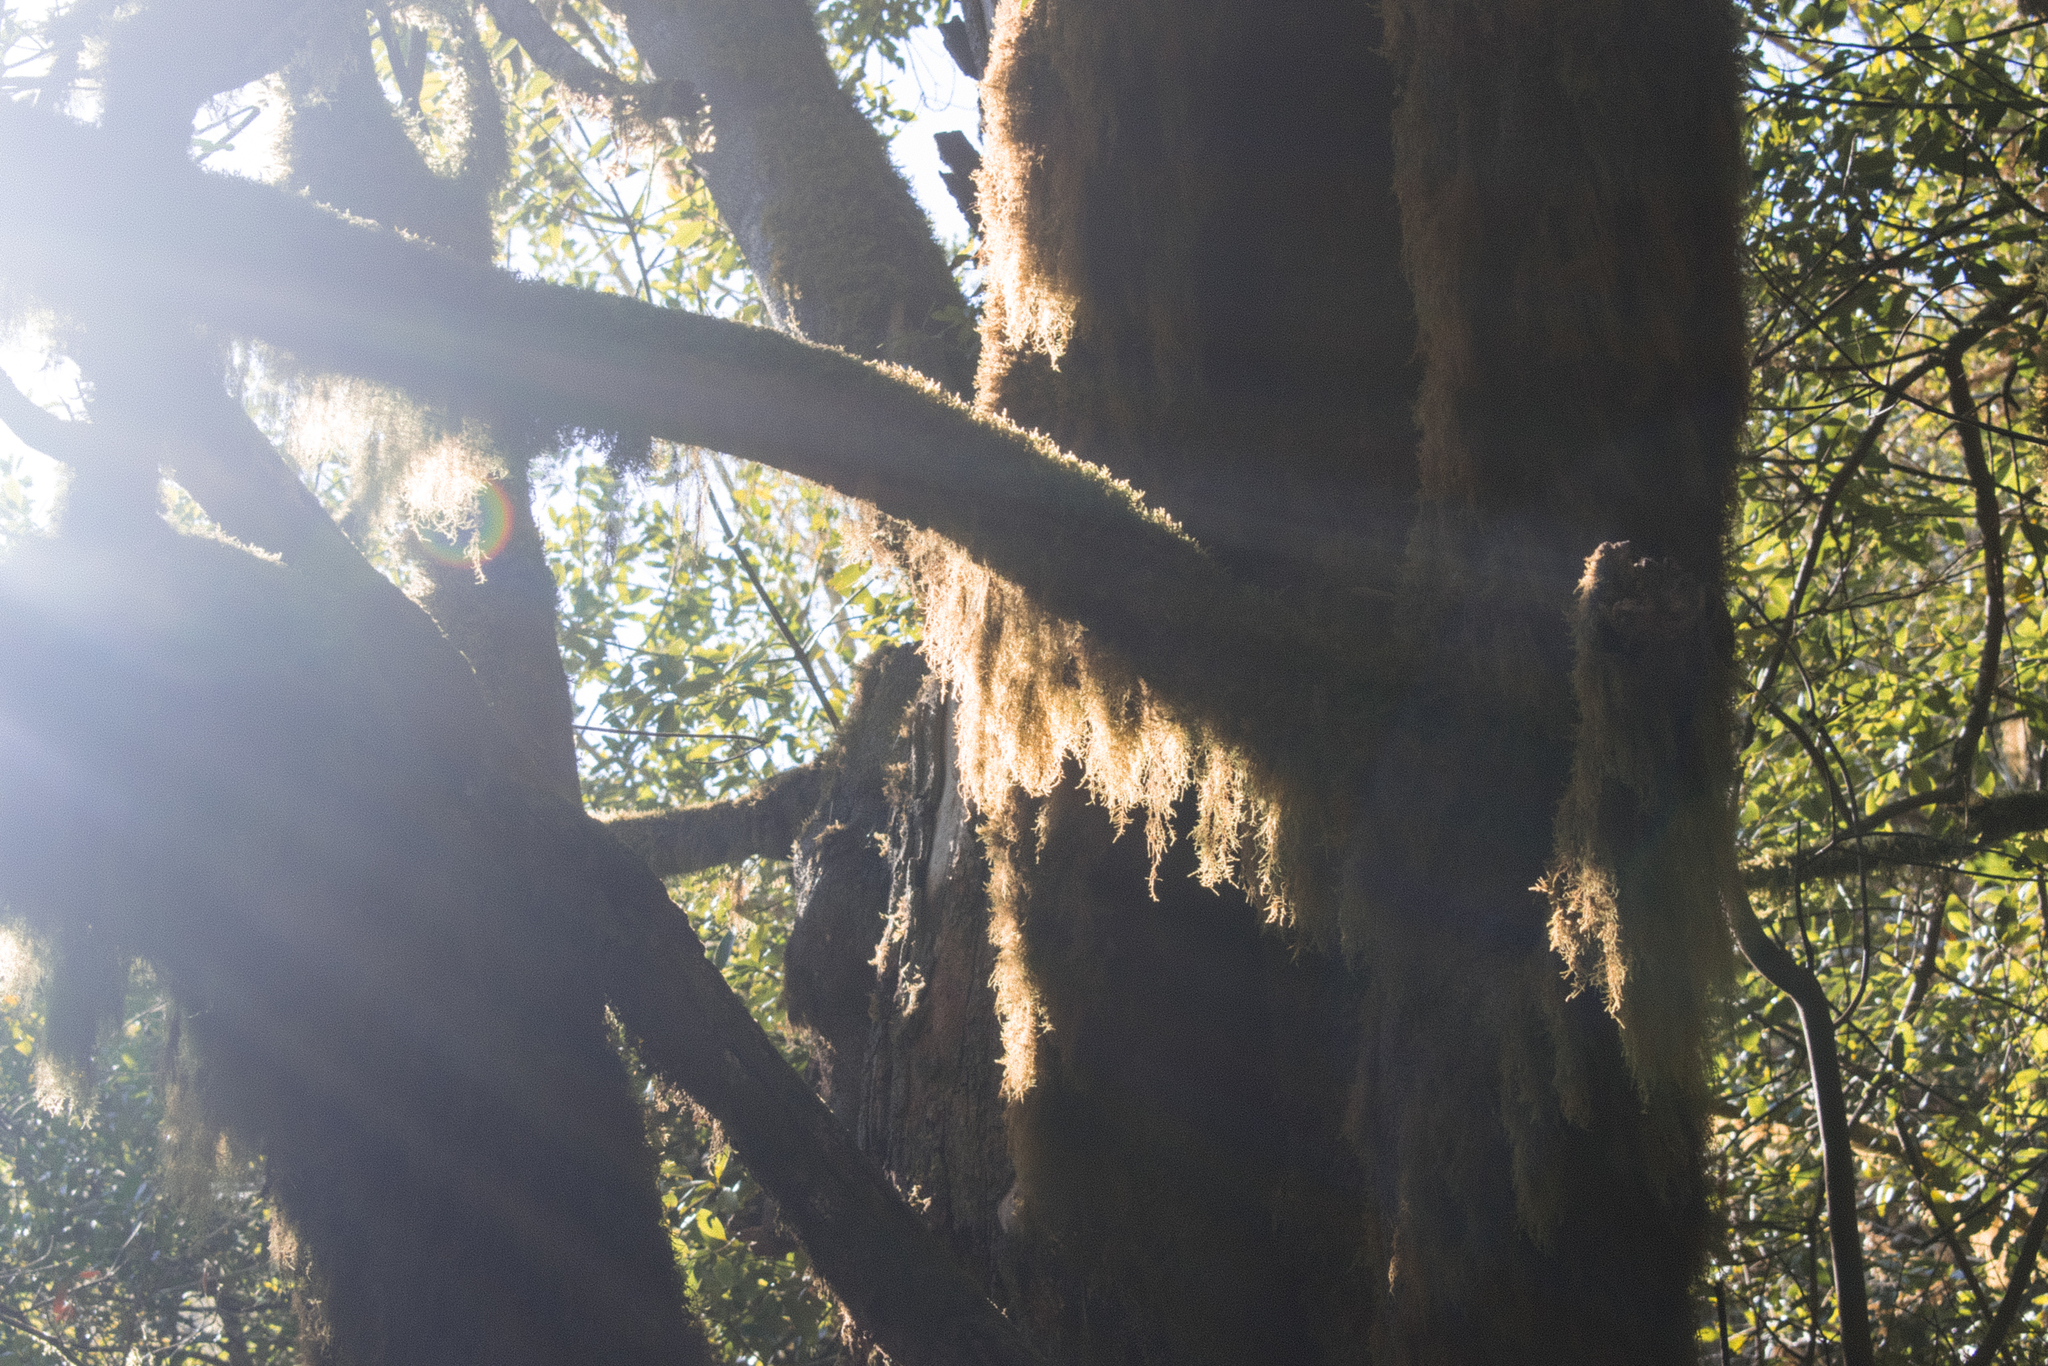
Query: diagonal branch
{"type": "Point", "coordinates": [1943, 1224]}
{"type": "Point", "coordinates": [891, 1272]}
{"type": "Point", "coordinates": [2016, 1286]}
{"type": "Point", "coordinates": [44, 431]}
{"type": "Point", "coordinates": [244, 661]}
{"type": "Point", "coordinates": [247, 259]}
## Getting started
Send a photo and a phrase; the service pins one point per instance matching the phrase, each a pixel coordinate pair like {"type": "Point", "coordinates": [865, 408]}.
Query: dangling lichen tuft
{"type": "Point", "coordinates": [404, 465]}
{"type": "Point", "coordinates": [73, 975]}
{"type": "Point", "coordinates": [1635, 911]}
{"type": "Point", "coordinates": [1033, 693]}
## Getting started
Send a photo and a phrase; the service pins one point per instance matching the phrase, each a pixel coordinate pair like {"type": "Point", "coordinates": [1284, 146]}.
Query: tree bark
{"type": "Point", "coordinates": [842, 254]}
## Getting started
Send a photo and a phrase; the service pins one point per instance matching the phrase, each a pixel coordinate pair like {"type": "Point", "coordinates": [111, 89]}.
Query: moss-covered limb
{"type": "Point", "coordinates": [1902, 850]}
{"type": "Point", "coordinates": [162, 60]}
{"type": "Point", "coordinates": [164, 385]}
{"type": "Point", "coordinates": [762, 824]}
{"type": "Point", "coordinates": [347, 147]}
{"type": "Point", "coordinates": [1838, 1158]}
{"type": "Point", "coordinates": [634, 105]}
{"type": "Point", "coordinates": [501, 615]}
{"type": "Point", "coordinates": [842, 253]}
{"type": "Point", "coordinates": [208, 443]}
{"type": "Point", "coordinates": [1266, 670]}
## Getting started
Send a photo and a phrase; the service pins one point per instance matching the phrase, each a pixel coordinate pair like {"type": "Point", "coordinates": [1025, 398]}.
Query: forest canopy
{"type": "Point", "coordinates": [1888, 568]}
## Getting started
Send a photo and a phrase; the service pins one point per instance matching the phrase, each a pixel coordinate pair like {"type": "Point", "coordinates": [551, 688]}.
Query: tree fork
{"type": "Point", "coordinates": [902, 1286]}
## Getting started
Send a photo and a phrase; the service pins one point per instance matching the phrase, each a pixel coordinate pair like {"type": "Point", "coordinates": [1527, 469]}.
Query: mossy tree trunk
{"type": "Point", "coordinates": [1393, 1130]}
{"type": "Point", "coordinates": [1284, 935]}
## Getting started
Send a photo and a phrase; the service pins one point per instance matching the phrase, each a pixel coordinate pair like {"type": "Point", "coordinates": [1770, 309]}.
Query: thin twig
{"type": "Point", "coordinates": [1865, 444]}
{"type": "Point", "coordinates": [1988, 318]}
{"type": "Point", "coordinates": [803, 656]}
{"type": "Point", "coordinates": [1819, 760]}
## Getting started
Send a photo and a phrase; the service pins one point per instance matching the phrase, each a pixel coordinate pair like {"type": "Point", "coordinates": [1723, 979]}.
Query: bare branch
{"type": "Point", "coordinates": [1984, 822]}
{"type": "Point", "coordinates": [961, 161]}
{"type": "Point", "coordinates": [1865, 444]}
{"type": "Point", "coordinates": [1838, 1157]}
{"type": "Point", "coordinates": [1991, 533]}
{"type": "Point", "coordinates": [767, 600]}
{"type": "Point", "coordinates": [250, 260]}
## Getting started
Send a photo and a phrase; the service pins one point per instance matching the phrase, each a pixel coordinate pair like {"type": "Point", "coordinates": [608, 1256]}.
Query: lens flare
{"type": "Point", "coordinates": [482, 535]}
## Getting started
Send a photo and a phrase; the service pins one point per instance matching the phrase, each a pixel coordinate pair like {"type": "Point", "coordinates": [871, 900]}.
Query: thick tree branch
{"type": "Point", "coordinates": [898, 1281]}
{"type": "Point", "coordinates": [762, 824]}
{"type": "Point", "coordinates": [40, 430]}
{"type": "Point", "coordinates": [841, 251]}
{"type": "Point", "coordinates": [1838, 1157]}
{"type": "Point", "coordinates": [622, 101]}
{"type": "Point", "coordinates": [893, 1275]}
{"type": "Point", "coordinates": [249, 260]}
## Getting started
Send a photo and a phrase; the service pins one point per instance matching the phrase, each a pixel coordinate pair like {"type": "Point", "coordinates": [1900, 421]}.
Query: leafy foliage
{"type": "Point", "coordinates": [1898, 162]}
{"type": "Point", "coordinates": [99, 1262]}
